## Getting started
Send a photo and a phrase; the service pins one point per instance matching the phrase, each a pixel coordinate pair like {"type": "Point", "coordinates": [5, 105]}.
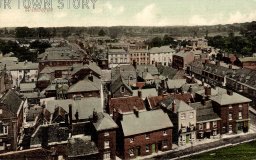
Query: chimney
{"type": "Point", "coordinates": [136, 111]}
{"type": "Point", "coordinates": [207, 90]}
{"type": "Point", "coordinates": [90, 77]}
{"type": "Point", "coordinates": [70, 114]}
{"type": "Point", "coordinates": [120, 115]}
{"type": "Point", "coordinates": [230, 92]}
{"type": "Point", "coordinates": [174, 106]}
{"type": "Point", "coordinates": [94, 116]}
{"type": "Point", "coordinates": [66, 119]}
{"type": "Point", "coordinates": [46, 57]}
{"type": "Point", "coordinates": [139, 93]}
{"type": "Point", "coordinates": [134, 63]}
{"type": "Point", "coordinates": [203, 101]}
{"type": "Point", "coordinates": [44, 136]}
{"type": "Point", "coordinates": [77, 116]}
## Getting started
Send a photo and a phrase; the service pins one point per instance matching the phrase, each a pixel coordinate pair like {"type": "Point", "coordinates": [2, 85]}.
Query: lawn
{"type": "Point", "coordinates": [246, 151]}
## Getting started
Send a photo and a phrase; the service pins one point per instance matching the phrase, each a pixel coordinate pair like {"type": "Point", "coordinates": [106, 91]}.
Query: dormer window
{"type": "Point", "coordinates": [106, 134]}
{"type": "Point", "coordinates": [122, 89]}
{"type": "Point", "coordinates": [147, 136]}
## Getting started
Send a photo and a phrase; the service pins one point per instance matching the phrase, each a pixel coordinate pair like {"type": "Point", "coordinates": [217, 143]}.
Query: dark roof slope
{"type": "Point", "coordinates": [12, 101]}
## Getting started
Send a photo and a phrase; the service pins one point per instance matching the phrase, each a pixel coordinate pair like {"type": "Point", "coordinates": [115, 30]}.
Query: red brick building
{"type": "Point", "coordinates": [144, 133]}
{"type": "Point", "coordinates": [104, 135]}
{"type": "Point", "coordinates": [11, 118]}
{"type": "Point", "coordinates": [233, 109]}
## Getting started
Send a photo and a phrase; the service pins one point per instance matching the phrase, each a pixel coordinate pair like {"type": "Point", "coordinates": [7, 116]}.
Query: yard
{"type": "Point", "coordinates": [246, 151]}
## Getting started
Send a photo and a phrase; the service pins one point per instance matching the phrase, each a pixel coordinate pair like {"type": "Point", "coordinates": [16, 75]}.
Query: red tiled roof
{"type": "Point", "coordinates": [154, 101]}
{"type": "Point", "coordinates": [126, 104]}
{"type": "Point", "coordinates": [186, 97]}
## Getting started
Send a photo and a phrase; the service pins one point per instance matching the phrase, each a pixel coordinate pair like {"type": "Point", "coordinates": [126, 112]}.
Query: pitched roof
{"type": "Point", "coordinates": [147, 121]}
{"type": "Point", "coordinates": [154, 102]}
{"type": "Point", "coordinates": [84, 106]}
{"type": "Point", "coordinates": [126, 104]}
{"type": "Point", "coordinates": [149, 92]}
{"type": "Point", "coordinates": [182, 106]}
{"type": "Point", "coordinates": [117, 83]}
{"type": "Point", "coordinates": [85, 86]}
{"type": "Point", "coordinates": [80, 145]}
{"type": "Point", "coordinates": [186, 97]}
{"type": "Point", "coordinates": [225, 99]}
{"type": "Point", "coordinates": [12, 101]}
{"type": "Point", "coordinates": [175, 83]}
{"type": "Point", "coordinates": [162, 49]}
{"type": "Point", "coordinates": [205, 112]}
{"type": "Point", "coordinates": [104, 122]}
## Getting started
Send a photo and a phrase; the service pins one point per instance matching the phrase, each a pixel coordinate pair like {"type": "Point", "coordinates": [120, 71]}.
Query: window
{"type": "Point", "coordinates": [164, 133]}
{"type": "Point", "coordinates": [3, 129]}
{"type": "Point", "coordinates": [106, 144]}
{"type": "Point", "coordinates": [106, 134]}
{"type": "Point", "coordinates": [147, 148]}
{"type": "Point", "coordinates": [230, 129]}
{"type": "Point", "coordinates": [230, 107]}
{"type": "Point", "coordinates": [191, 115]}
{"type": "Point", "coordinates": [122, 89]}
{"type": "Point", "coordinates": [147, 136]}
{"type": "Point", "coordinates": [106, 156]}
{"type": "Point", "coordinates": [230, 116]}
{"type": "Point", "coordinates": [214, 133]}
{"type": "Point", "coordinates": [1, 111]}
{"type": "Point", "coordinates": [240, 115]}
{"type": "Point", "coordinates": [164, 144]}
{"type": "Point", "coordinates": [131, 152]}
{"type": "Point", "coordinates": [131, 140]}
{"type": "Point", "coordinates": [240, 106]}
{"type": "Point", "coordinates": [183, 116]}
{"type": "Point", "coordinates": [201, 126]}
{"type": "Point", "coordinates": [207, 125]}
{"type": "Point", "coordinates": [214, 124]}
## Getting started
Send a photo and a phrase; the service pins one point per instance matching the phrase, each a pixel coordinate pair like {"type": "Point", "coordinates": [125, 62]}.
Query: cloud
{"type": "Point", "coordinates": [150, 16]}
{"type": "Point", "coordinates": [220, 18]}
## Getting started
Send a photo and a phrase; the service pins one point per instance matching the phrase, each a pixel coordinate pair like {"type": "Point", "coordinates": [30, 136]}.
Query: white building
{"type": "Point", "coordinates": [118, 57]}
{"type": "Point", "coordinates": [21, 70]}
{"type": "Point", "coordinates": [161, 55]}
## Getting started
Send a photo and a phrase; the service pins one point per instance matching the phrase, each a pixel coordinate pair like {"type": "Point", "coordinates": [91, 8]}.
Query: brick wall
{"type": "Point", "coordinates": [140, 141]}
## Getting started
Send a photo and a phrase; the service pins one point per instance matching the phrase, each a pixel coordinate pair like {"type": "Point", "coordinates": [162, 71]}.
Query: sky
{"type": "Point", "coordinates": [126, 12]}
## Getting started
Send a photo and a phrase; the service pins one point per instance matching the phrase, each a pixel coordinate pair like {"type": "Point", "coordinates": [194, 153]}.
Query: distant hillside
{"type": "Point", "coordinates": [116, 31]}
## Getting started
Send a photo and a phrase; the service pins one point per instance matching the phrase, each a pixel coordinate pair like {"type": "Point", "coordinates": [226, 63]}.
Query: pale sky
{"type": "Point", "coordinates": [131, 13]}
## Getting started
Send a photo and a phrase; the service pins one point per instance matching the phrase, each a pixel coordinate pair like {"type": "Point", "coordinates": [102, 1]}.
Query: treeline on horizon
{"type": "Point", "coordinates": [117, 31]}
{"type": "Point", "coordinates": [232, 38]}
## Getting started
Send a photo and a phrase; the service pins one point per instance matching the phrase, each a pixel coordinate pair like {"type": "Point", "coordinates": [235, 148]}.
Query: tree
{"type": "Point", "coordinates": [102, 33]}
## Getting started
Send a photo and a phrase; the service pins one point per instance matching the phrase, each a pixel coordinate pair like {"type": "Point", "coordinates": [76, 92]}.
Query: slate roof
{"type": "Point", "coordinates": [147, 121]}
{"type": "Point", "coordinates": [106, 75]}
{"type": "Point", "coordinates": [225, 99]}
{"type": "Point", "coordinates": [12, 101]}
{"type": "Point", "coordinates": [214, 92]}
{"type": "Point", "coordinates": [162, 49]}
{"type": "Point", "coordinates": [33, 153]}
{"type": "Point", "coordinates": [183, 53]}
{"type": "Point", "coordinates": [147, 68]}
{"type": "Point", "coordinates": [80, 145]}
{"type": "Point", "coordinates": [117, 83]}
{"type": "Point", "coordinates": [27, 86]}
{"type": "Point", "coordinates": [19, 65]}
{"type": "Point", "coordinates": [44, 77]}
{"type": "Point", "coordinates": [175, 83]}
{"type": "Point", "coordinates": [91, 66]}
{"type": "Point", "coordinates": [85, 86]}
{"type": "Point", "coordinates": [167, 72]}
{"type": "Point", "coordinates": [248, 59]}
{"type": "Point", "coordinates": [85, 106]}
{"type": "Point", "coordinates": [181, 106]}
{"type": "Point", "coordinates": [148, 92]}
{"type": "Point", "coordinates": [205, 112]}
{"type": "Point", "coordinates": [55, 133]}
{"type": "Point", "coordinates": [104, 122]}
{"type": "Point", "coordinates": [126, 104]}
